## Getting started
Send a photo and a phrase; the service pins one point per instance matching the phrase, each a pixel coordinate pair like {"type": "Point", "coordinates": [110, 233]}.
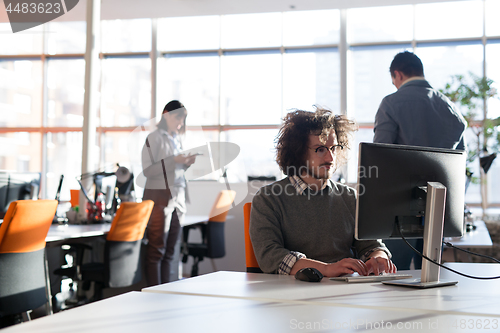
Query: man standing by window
{"type": "Point", "coordinates": [416, 115]}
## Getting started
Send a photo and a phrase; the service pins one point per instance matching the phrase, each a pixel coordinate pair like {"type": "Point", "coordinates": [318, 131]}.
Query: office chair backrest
{"type": "Point", "coordinates": [251, 261]}
{"type": "Point", "coordinates": [221, 206]}
{"type": "Point", "coordinates": [130, 221]}
{"type": "Point", "coordinates": [22, 248]}
{"type": "Point", "coordinates": [25, 225]}
{"type": "Point", "coordinates": [122, 251]}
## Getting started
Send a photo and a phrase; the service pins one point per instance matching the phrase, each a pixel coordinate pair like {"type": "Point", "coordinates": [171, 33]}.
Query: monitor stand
{"type": "Point", "coordinates": [433, 238]}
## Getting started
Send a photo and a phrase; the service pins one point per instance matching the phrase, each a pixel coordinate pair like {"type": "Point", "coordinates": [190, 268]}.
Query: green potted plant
{"type": "Point", "coordinates": [473, 92]}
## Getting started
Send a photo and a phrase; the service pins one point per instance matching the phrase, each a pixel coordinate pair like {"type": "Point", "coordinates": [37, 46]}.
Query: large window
{"type": "Point", "coordinates": [17, 151]}
{"type": "Point", "coordinates": [443, 60]}
{"type": "Point", "coordinates": [63, 151]}
{"type": "Point", "coordinates": [369, 79]}
{"type": "Point", "coordinates": [251, 88]}
{"type": "Point", "coordinates": [65, 82]}
{"type": "Point", "coordinates": [311, 77]}
{"type": "Point", "coordinates": [193, 79]}
{"type": "Point", "coordinates": [20, 92]}
{"type": "Point", "coordinates": [311, 28]}
{"type": "Point", "coordinates": [66, 37]}
{"type": "Point", "coordinates": [378, 24]}
{"type": "Point", "coordinates": [237, 79]}
{"type": "Point", "coordinates": [241, 31]}
{"type": "Point", "coordinates": [126, 91]}
{"type": "Point", "coordinates": [126, 36]}
{"type": "Point", "coordinates": [20, 43]}
{"type": "Point", "coordinates": [189, 33]}
{"type": "Point", "coordinates": [447, 20]}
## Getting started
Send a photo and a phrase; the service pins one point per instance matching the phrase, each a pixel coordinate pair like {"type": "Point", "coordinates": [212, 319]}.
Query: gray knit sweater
{"type": "Point", "coordinates": [319, 225]}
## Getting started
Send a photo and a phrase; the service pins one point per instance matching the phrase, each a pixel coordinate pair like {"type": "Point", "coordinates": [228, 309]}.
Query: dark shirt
{"type": "Point", "coordinates": [419, 115]}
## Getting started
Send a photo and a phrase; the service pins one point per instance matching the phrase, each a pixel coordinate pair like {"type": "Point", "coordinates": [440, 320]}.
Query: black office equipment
{"type": "Point", "coordinates": [105, 202]}
{"type": "Point", "coordinates": [401, 186]}
{"type": "Point", "coordinates": [59, 187]}
{"type": "Point", "coordinates": [17, 186]}
{"type": "Point", "coordinates": [309, 274]}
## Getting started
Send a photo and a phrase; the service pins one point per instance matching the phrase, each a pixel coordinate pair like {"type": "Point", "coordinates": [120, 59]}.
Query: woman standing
{"type": "Point", "coordinates": [164, 165]}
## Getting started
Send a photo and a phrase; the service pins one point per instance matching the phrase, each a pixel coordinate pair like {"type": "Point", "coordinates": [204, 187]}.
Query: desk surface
{"type": "Point", "coordinates": [192, 219]}
{"type": "Point", "coordinates": [478, 238]}
{"type": "Point", "coordinates": [70, 231]}
{"type": "Point", "coordinates": [468, 297]}
{"type": "Point", "coordinates": [149, 312]}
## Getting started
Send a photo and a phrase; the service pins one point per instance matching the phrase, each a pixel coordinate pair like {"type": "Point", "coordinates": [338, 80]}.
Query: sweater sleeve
{"type": "Point", "coordinates": [265, 233]}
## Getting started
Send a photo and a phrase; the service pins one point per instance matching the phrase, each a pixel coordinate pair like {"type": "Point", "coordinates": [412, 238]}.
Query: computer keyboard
{"type": "Point", "coordinates": [355, 278]}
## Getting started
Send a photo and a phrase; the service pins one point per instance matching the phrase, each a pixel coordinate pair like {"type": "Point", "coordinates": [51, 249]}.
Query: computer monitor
{"type": "Point", "coordinates": [17, 186]}
{"type": "Point", "coordinates": [392, 185]}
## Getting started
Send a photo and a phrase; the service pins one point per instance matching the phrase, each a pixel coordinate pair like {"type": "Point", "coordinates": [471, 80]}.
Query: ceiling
{"type": "Point", "coordinates": [127, 9]}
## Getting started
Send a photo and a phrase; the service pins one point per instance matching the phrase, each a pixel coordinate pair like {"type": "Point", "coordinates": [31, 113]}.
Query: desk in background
{"type": "Point", "coordinates": [58, 235]}
{"type": "Point", "coordinates": [66, 232]}
{"type": "Point", "coordinates": [91, 234]}
{"type": "Point", "coordinates": [62, 233]}
{"type": "Point", "coordinates": [478, 238]}
{"type": "Point", "coordinates": [193, 219]}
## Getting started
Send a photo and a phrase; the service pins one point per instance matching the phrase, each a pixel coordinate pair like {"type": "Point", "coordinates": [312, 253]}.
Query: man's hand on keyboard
{"type": "Point", "coordinates": [378, 264]}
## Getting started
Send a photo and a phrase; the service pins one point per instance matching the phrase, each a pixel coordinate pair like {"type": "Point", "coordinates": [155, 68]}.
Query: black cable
{"type": "Point", "coordinates": [470, 252]}
{"type": "Point", "coordinates": [440, 265]}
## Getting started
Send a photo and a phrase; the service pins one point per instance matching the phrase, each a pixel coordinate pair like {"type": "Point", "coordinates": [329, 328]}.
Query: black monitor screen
{"type": "Point", "coordinates": [17, 186]}
{"type": "Point", "coordinates": [390, 187]}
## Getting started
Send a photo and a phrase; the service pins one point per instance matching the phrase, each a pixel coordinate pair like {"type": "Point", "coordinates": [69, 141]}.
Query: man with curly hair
{"type": "Point", "coordinates": [306, 219]}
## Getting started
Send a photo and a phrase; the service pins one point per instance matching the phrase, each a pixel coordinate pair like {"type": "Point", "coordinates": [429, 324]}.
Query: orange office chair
{"type": "Point", "coordinates": [251, 261]}
{"type": "Point", "coordinates": [122, 259]}
{"type": "Point", "coordinates": [212, 233]}
{"type": "Point", "coordinates": [22, 264]}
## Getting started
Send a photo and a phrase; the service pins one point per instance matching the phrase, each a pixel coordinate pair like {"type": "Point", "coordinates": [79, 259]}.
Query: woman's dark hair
{"type": "Point", "coordinates": [293, 138]}
{"type": "Point", "coordinates": [176, 107]}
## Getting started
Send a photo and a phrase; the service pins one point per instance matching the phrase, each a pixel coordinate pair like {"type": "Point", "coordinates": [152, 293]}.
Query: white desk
{"type": "Point", "coordinates": [468, 297]}
{"type": "Point", "coordinates": [192, 219]}
{"type": "Point", "coordinates": [478, 238]}
{"type": "Point", "coordinates": [150, 312]}
{"type": "Point", "coordinates": [73, 231]}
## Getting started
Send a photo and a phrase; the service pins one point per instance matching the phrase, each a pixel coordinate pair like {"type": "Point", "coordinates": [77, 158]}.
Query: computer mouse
{"type": "Point", "coordinates": [309, 274]}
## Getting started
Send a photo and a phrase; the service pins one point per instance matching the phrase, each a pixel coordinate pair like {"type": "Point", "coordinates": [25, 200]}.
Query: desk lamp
{"type": "Point", "coordinates": [97, 208]}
